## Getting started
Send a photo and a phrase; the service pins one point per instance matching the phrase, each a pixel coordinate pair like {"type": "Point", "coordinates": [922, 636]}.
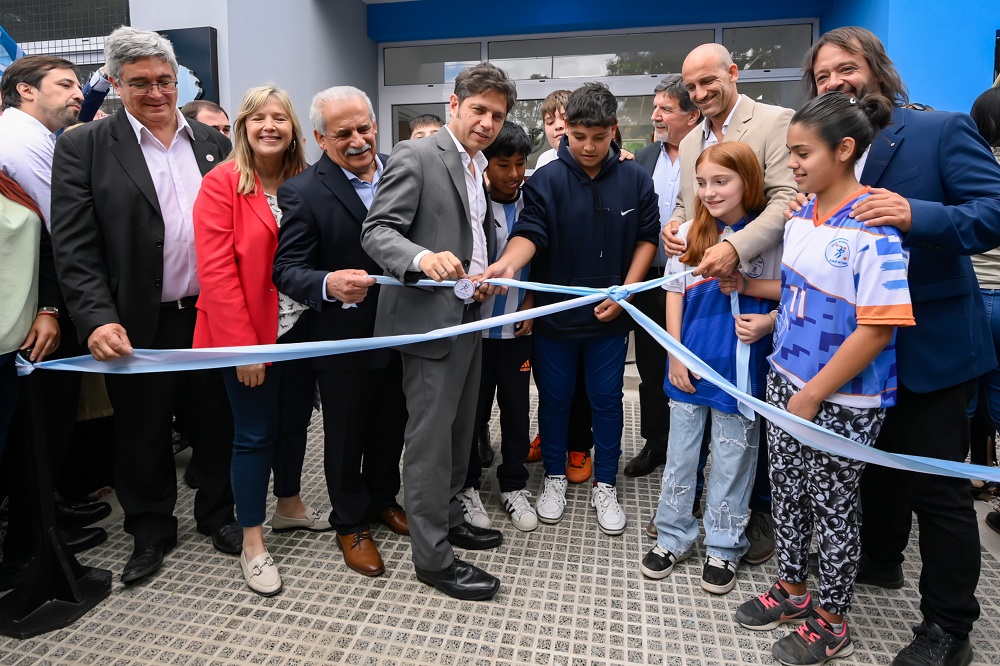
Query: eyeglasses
{"type": "Point", "coordinates": [144, 87]}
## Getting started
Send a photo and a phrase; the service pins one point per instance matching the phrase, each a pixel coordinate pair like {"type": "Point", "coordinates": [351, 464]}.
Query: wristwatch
{"type": "Point", "coordinates": [48, 310]}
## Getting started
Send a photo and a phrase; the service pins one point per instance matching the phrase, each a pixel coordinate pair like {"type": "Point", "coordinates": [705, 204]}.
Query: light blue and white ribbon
{"type": "Point", "coordinates": [172, 360]}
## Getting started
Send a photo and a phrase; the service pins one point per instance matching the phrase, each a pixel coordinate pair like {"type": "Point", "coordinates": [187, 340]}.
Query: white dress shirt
{"type": "Point", "coordinates": [477, 209]}
{"type": "Point", "coordinates": [708, 137]}
{"type": "Point", "coordinates": [477, 204]}
{"type": "Point", "coordinates": [177, 179]}
{"type": "Point", "coordinates": [26, 149]}
{"type": "Point", "coordinates": [666, 183]}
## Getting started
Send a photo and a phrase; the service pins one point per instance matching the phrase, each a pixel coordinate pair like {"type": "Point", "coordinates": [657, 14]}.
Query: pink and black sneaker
{"type": "Point", "coordinates": [814, 642]}
{"type": "Point", "coordinates": [771, 609]}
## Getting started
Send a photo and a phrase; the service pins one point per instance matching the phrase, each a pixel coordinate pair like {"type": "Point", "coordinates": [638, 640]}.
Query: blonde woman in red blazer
{"type": "Point", "coordinates": [236, 220]}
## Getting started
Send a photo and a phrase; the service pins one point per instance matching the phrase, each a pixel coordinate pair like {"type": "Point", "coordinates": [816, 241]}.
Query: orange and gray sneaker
{"type": "Point", "coordinates": [580, 466]}
{"type": "Point", "coordinates": [535, 450]}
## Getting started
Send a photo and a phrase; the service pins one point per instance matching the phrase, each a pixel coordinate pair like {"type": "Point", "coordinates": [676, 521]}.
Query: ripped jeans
{"type": "Point", "coordinates": [727, 492]}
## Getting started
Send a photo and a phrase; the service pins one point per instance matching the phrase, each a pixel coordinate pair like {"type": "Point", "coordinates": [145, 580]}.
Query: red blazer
{"type": "Point", "coordinates": [235, 237]}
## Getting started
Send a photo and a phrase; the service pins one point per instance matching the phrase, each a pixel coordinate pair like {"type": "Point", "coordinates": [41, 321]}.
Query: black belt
{"type": "Point", "coordinates": [180, 303]}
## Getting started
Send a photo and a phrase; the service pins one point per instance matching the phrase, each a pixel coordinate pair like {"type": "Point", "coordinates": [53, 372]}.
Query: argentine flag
{"type": "Point", "coordinates": [9, 50]}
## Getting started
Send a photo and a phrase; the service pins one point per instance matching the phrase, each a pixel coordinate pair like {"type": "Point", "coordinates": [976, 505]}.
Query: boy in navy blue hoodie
{"type": "Point", "coordinates": [588, 220]}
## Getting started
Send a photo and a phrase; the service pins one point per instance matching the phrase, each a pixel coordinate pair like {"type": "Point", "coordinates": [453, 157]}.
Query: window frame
{"type": "Point", "coordinates": [632, 85]}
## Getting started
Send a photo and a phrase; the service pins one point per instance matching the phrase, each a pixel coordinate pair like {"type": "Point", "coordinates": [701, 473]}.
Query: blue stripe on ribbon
{"type": "Point", "coordinates": [172, 360]}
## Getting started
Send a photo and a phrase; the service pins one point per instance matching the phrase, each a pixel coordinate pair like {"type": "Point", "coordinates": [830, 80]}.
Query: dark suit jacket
{"type": "Point", "coordinates": [422, 204]}
{"type": "Point", "coordinates": [939, 162]}
{"type": "Point", "coordinates": [648, 156]}
{"type": "Point", "coordinates": [107, 231]}
{"type": "Point", "coordinates": [321, 216]}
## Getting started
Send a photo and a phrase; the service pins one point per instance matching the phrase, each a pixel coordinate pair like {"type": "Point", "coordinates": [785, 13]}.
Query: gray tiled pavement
{"type": "Point", "coordinates": [570, 595]}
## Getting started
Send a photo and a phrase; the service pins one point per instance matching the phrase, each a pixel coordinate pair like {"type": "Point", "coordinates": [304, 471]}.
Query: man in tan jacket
{"type": "Point", "coordinates": [710, 78]}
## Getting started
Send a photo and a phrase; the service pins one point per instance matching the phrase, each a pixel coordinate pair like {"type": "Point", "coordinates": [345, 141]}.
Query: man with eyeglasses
{"type": "Point", "coordinates": [123, 240]}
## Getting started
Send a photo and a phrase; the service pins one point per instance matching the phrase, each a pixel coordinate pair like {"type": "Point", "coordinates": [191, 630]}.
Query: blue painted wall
{"type": "Point", "coordinates": [447, 19]}
{"type": "Point", "coordinates": [943, 50]}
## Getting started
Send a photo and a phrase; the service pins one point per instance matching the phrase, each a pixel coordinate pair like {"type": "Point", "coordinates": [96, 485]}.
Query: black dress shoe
{"type": "Point", "coordinates": [191, 478]}
{"type": "Point", "coordinates": [145, 560]}
{"type": "Point", "coordinates": [72, 514]}
{"type": "Point", "coordinates": [461, 580]}
{"type": "Point", "coordinates": [228, 538]}
{"type": "Point", "coordinates": [888, 576]}
{"type": "Point", "coordinates": [471, 537]}
{"type": "Point", "coordinates": [933, 646]}
{"type": "Point", "coordinates": [80, 539]}
{"type": "Point", "coordinates": [653, 455]}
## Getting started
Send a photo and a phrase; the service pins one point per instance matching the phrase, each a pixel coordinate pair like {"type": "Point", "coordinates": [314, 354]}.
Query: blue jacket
{"type": "Point", "coordinates": [942, 166]}
{"type": "Point", "coordinates": [585, 231]}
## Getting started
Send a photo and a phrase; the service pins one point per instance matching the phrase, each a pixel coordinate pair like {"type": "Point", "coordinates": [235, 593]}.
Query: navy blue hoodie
{"type": "Point", "coordinates": [585, 231]}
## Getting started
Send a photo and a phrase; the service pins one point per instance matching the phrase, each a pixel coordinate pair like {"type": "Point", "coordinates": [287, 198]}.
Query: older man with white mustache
{"type": "Point", "coordinates": [320, 263]}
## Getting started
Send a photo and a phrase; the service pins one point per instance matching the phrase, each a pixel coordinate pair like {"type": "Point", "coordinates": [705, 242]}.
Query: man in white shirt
{"type": "Point", "coordinates": [430, 219]}
{"type": "Point", "coordinates": [41, 97]}
{"type": "Point", "coordinates": [710, 76]}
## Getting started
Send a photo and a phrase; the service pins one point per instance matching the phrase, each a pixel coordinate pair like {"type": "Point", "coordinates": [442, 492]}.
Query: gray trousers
{"type": "Point", "coordinates": [441, 397]}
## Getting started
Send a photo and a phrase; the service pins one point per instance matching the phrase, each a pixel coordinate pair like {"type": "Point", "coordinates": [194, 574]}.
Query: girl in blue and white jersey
{"type": "Point", "coordinates": [843, 293]}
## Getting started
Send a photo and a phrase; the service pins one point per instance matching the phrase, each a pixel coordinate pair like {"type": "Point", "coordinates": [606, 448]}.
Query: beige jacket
{"type": "Point", "coordinates": [763, 127]}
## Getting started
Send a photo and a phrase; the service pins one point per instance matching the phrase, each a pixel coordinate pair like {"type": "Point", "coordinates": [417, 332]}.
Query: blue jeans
{"type": "Point", "coordinates": [991, 380]}
{"type": "Point", "coordinates": [734, 461]}
{"type": "Point", "coordinates": [555, 363]}
{"type": "Point", "coordinates": [263, 420]}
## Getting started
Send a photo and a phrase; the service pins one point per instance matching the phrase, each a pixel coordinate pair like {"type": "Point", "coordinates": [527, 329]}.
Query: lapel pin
{"type": "Point", "coordinates": [210, 158]}
{"type": "Point", "coordinates": [892, 144]}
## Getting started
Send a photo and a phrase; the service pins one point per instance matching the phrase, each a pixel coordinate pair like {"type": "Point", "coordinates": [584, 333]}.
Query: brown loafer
{"type": "Point", "coordinates": [360, 553]}
{"type": "Point", "coordinates": [394, 518]}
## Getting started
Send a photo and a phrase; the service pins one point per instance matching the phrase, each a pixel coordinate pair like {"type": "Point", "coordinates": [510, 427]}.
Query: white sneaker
{"type": "Point", "coordinates": [472, 507]}
{"type": "Point", "coordinates": [610, 517]}
{"type": "Point", "coordinates": [261, 574]}
{"type": "Point", "coordinates": [518, 505]}
{"type": "Point", "coordinates": [552, 502]}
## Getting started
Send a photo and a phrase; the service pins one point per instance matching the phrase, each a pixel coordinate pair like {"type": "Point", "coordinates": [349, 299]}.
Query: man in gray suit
{"type": "Point", "coordinates": [430, 218]}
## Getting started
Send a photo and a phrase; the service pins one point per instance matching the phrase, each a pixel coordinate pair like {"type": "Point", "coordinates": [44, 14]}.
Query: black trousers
{"type": "Point", "coordinates": [145, 476]}
{"type": "Point", "coordinates": [61, 391]}
{"type": "Point", "coordinates": [651, 362]}
{"type": "Point", "coordinates": [507, 375]}
{"type": "Point", "coordinates": [936, 425]}
{"type": "Point", "coordinates": [581, 434]}
{"type": "Point", "coordinates": [364, 418]}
